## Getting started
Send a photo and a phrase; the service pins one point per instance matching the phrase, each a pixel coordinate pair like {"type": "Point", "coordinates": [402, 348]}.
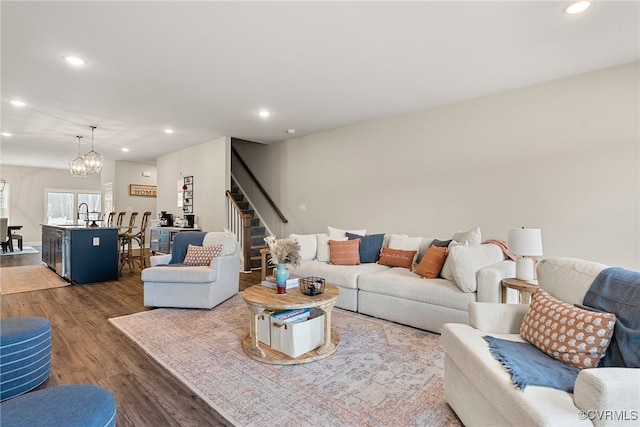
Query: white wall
{"type": "Point", "coordinates": [127, 173]}
{"type": "Point", "coordinates": [209, 164]}
{"type": "Point", "coordinates": [563, 156]}
{"type": "Point", "coordinates": [27, 186]}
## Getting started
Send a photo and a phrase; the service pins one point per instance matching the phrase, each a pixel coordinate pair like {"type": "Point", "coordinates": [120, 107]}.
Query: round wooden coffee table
{"type": "Point", "coordinates": [260, 298]}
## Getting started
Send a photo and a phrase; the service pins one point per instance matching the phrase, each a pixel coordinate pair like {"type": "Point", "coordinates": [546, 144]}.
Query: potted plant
{"type": "Point", "coordinates": [283, 251]}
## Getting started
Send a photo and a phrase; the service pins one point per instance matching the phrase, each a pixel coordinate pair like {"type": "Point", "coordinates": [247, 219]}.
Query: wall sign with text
{"type": "Point", "coordinates": [142, 190]}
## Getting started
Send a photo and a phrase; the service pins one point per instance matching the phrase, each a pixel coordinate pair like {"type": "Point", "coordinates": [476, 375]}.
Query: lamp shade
{"type": "Point", "coordinates": [525, 241]}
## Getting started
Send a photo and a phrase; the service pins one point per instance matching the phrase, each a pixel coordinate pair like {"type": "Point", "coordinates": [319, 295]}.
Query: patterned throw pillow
{"type": "Point", "coordinates": [345, 252]}
{"type": "Point", "coordinates": [432, 262]}
{"type": "Point", "coordinates": [201, 255]}
{"type": "Point", "coordinates": [397, 258]}
{"type": "Point", "coordinates": [570, 334]}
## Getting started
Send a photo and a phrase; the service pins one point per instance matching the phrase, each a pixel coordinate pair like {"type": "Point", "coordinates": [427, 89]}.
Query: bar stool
{"type": "Point", "coordinates": [140, 238]}
{"type": "Point", "coordinates": [125, 243]}
{"type": "Point", "coordinates": [110, 219]}
{"type": "Point", "coordinates": [119, 219]}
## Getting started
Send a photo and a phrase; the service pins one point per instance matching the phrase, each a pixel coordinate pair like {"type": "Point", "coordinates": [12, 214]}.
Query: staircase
{"type": "Point", "coordinates": [257, 230]}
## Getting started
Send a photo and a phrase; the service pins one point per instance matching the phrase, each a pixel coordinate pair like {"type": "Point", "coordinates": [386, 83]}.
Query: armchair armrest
{"type": "Point", "coordinates": [497, 318]}
{"type": "Point", "coordinates": [609, 396]}
{"type": "Point", "coordinates": [159, 259]}
{"type": "Point", "coordinates": [490, 280]}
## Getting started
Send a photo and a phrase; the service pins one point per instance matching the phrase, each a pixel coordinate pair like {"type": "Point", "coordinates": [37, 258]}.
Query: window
{"type": "Point", "coordinates": [4, 202]}
{"type": "Point", "coordinates": [62, 205]}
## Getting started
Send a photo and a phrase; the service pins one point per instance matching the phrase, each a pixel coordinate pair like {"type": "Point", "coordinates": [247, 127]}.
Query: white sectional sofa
{"type": "Point", "coordinates": [472, 272]}
{"type": "Point", "coordinates": [480, 389]}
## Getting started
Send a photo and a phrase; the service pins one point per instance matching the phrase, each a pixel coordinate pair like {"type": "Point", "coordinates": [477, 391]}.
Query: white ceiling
{"type": "Point", "coordinates": [206, 68]}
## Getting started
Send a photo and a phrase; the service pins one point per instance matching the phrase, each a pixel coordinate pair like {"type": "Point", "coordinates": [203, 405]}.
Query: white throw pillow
{"type": "Point", "coordinates": [337, 233]}
{"type": "Point", "coordinates": [467, 260]}
{"type": "Point", "coordinates": [473, 236]}
{"type": "Point", "coordinates": [446, 272]}
{"type": "Point", "coordinates": [308, 245]}
{"type": "Point", "coordinates": [324, 252]}
{"type": "Point", "coordinates": [404, 242]}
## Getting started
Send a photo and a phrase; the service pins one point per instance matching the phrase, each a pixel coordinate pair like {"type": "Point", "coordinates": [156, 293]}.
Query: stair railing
{"type": "Point", "coordinates": [240, 225]}
{"type": "Point", "coordinates": [260, 187]}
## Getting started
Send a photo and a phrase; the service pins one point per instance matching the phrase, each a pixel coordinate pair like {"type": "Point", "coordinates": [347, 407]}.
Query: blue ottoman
{"type": "Point", "coordinates": [68, 405]}
{"type": "Point", "coordinates": [25, 354]}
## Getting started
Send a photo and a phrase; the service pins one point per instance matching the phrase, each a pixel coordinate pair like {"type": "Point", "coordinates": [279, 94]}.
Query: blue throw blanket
{"type": "Point", "coordinates": [530, 366]}
{"type": "Point", "coordinates": [617, 291]}
{"type": "Point", "coordinates": [180, 243]}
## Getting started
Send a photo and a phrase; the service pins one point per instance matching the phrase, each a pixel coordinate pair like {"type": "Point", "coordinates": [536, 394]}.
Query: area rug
{"type": "Point", "coordinates": [382, 373]}
{"type": "Point", "coordinates": [27, 278]}
{"type": "Point", "coordinates": [25, 250]}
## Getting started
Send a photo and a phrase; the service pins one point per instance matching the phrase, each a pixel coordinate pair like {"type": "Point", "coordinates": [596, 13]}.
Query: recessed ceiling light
{"type": "Point", "coordinates": [6, 134]}
{"type": "Point", "coordinates": [169, 131]}
{"type": "Point", "coordinates": [74, 60]}
{"type": "Point", "coordinates": [264, 113]}
{"type": "Point", "coordinates": [18, 103]}
{"type": "Point", "coordinates": [291, 131]}
{"type": "Point", "coordinates": [576, 7]}
{"type": "Point", "coordinates": [124, 149]}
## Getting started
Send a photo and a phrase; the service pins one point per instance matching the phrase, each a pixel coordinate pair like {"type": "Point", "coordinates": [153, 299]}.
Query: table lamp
{"type": "Point", "coordinates": [525, 243]}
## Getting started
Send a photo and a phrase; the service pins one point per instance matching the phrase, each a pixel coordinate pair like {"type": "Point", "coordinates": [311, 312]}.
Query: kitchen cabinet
{"type": "Point", "coordinates": [162, 238]}
{"type": "Point", "coordinates": [81, 254]}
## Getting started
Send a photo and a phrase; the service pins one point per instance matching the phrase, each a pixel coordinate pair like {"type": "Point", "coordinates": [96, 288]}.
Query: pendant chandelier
{"type": "Point", "coordinates": [77, 167]}
{"type": "Point", "coordinates": [92, 160]}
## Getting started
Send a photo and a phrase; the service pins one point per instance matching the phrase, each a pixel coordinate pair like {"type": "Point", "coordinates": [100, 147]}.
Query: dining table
{"type": "Point", "coordinates": [10, 229]}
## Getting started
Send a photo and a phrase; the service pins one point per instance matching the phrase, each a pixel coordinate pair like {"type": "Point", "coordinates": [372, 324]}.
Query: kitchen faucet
{"type": "Point", "coordinates": [86, 218]}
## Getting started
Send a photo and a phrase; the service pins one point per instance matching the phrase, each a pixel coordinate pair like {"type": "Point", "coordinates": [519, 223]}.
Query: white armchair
{"type": "Point", "coordinates": [479, 388]}
{"type": "Point", "coordinates": [168, 285]}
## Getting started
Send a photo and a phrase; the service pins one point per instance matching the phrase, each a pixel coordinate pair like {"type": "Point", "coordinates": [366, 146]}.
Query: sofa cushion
{"type": "Point", "coordinates": [570, 334]}
{"type": "Point", "coordinates": [201, 255]}
{"type": "Point", "coordinates": [345, 276]}
{"type": "Point", "coordinates": [567, 279]}
{"type": "Point", "coordinates": [370, 246]}
{"type": "Point", "coordinates": [447, 268]}
{"type": "Point", "coordinates": [345, 252]}
{"type": "Point", "coordinates": [402, 283]}
{"type": "Point", "coordinates": [432, 262]}
{"type": "Point", "coordinates": [397, 258]}
{"type": "Point", "coordinates": [467, 260]}
{"type": "Point", "coordinates": [308, 245]}
{"type": "Point", "coordinates": [324, 252]}
{"type": "Point", "coordinates": [184, 274]}
{"type": "Point", "coordinates": [469, 353]}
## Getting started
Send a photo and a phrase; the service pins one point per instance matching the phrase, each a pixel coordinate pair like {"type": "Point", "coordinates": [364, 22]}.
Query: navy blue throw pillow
{"type": "Point", "coordinates": [370, 246]}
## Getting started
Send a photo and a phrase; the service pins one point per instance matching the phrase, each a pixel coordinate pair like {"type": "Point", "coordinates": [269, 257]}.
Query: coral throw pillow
{"type": "Point", "coordinates": [570, 334]}
{"type": "Point", "coordinates": [201, 255]}
{"type": "Point", "coordinates": [396, 258]}
{"type": "Point", "coordinates": [345, 252]}
{"type": "Point", "coordinates": [432, 262]}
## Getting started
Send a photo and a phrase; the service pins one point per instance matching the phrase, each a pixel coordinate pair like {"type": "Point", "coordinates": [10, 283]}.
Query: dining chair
{"type": "Point", "coordinates": [4, 234]}
{"type": "Point", "coordinates": [17, 237]}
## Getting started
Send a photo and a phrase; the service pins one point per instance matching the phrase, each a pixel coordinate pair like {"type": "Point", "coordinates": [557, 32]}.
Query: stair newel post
{"type": "Point", "coordinates": [246, 241]}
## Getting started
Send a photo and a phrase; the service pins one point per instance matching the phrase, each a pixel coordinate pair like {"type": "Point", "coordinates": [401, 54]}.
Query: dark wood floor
{"type": "Point", "coordinates": [87, 349]}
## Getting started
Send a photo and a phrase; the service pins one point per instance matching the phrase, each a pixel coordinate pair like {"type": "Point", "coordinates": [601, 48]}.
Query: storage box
{"type": "Point", "coordinates": [264, 328]}
{"type": "Point", "coordinates": [295, 339]}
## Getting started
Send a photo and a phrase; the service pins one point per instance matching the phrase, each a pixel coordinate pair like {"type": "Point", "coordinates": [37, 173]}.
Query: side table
{"type": "Point", "coordinates": [525, 289]}
{"type": "Point", "coordinates": [259, 298]}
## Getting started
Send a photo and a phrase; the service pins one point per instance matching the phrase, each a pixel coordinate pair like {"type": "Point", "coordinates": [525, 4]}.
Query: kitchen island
{"type": "Point", "coordinates": [81, 254]}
